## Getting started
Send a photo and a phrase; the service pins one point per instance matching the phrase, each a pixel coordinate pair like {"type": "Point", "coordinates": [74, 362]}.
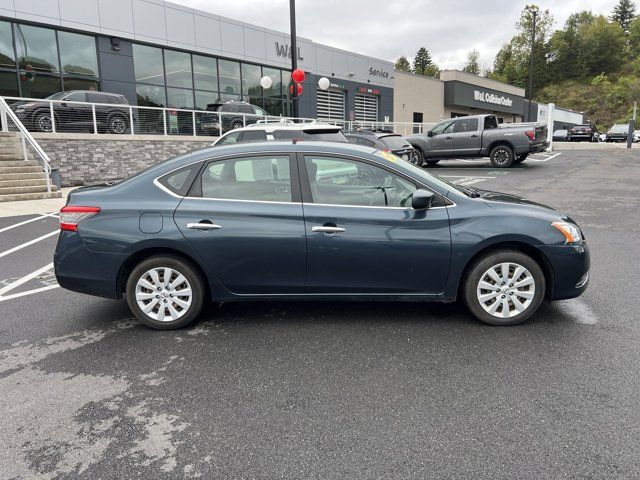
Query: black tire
{"type": "Point", "coordinates": [236, 124]}
{"type": "Point", "coordinates": [419, 157]}
{"type": "Point", "coordinates": [478, 269]}
{"type": "Point", "coordinates": [432, 163]}
{"type": "Point", "coordinates": [117, 124]}
{"type": "Point", "coordinates": [179, 266]}
{"type": "Point", "coordinates": [42, 122]}
{"type": "Point", "coordinates": [501, 156]}
{"type": "Point", "coordinates": [520, 158]}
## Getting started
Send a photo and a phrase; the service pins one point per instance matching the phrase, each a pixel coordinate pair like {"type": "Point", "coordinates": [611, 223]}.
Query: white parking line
{"type": "Point", "coordinates": [544, 159]}
{"type": "Point", "coordinates": [40, 217]}
{"type": "Point", "coordinates": [23, 280]}
{"type": "Point", "coordinates": [30, 242]}
{"type": "Point", "coordinates": [465, 180]}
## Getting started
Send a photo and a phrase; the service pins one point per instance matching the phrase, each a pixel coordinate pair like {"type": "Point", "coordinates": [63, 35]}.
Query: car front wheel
{"type": "Point", "coordinates": [504, 288]}
{"type": "Point", "coordinates": [165, 292]}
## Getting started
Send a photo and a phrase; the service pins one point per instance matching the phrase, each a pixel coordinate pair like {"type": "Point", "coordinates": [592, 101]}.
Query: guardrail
{"type": "Point", "coordinates": [51, 116]}
{"type": "Point", "coordinates": [31, 150]}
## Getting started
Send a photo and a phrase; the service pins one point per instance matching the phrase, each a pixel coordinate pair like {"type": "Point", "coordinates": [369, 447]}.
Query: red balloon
{"type": "Point", "coordinates": [297, 75]}
{"type": "Point", "coordinates": [299, 89]}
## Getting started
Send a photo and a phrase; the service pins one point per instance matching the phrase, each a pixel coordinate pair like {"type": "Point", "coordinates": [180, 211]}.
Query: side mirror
{"type": "Point", "coordinates": [430, 133]}
{"type": "Point", "coordinates": [421, 200]}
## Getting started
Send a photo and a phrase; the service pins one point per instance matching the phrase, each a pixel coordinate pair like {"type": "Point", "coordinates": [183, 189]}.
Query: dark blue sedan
{"type": "Point", "coordinates": [312, 220]}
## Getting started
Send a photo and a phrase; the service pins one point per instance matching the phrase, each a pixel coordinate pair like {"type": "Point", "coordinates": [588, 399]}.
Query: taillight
{"type": "Point", "coordinates": [531, 134]}
{"type": "Point", "coordinates": [71, 215]}
{"type": "Point", "coordinates": [386, 150]}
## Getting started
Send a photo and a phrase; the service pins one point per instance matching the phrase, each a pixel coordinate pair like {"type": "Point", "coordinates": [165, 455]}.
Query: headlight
{"type": "Point", "coordinates": [570, 231]}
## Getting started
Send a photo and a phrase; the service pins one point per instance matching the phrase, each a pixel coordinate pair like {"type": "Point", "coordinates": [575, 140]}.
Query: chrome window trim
{"type": "Point", "coordinates": [156, 182]}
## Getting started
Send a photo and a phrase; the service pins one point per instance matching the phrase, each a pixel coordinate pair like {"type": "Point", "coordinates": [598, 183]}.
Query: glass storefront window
{"type": "Point", "coordinates": [178, 68]}
{"type": "Point", "coordinates": [40, 87]}
{"type": "Point", "coordinates": [276, 82]}
{"type": "Point", "coordinates": [205, 73]}
{"type": "Point", "coordinates": [78, 54]}
{"type": "Point", "coordinates": [225, 97]}
{"type": "Point", "coordinates": [251, 75]}
{"type": "Point", "coordinates": [148, 65]}
{"type": "Point", "coordinates": [229, 77]}
{"type": "Point", "coordinates": [37, 47]}
{"type": "Point", "coordinates": [7, 55]}
{"type": "Point", "coordinates": [273, 106]}
{"type": "Point", "coordinates": [206, 98]}
{"type": "Point", "coordinates": [79, 84]}
{"type": "Point", "coordinates": [149, 96]}
{"type": "Point", "coordinates": [179, 98]}
{"type": "Point", "coordinates": [9, 84]}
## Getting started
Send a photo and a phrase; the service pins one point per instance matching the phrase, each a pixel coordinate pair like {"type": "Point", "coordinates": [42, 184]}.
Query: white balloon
{"type": "Point", "coordinates": [324, 83]}
{"type": "Point", "coordinates": [266, 82]}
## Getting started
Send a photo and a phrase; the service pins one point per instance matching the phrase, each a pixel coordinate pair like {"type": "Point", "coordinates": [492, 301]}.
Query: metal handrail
{"type": "Point", "coordinates": [406, 127]}
{"type": "Point", "coordinates": [25, 135]}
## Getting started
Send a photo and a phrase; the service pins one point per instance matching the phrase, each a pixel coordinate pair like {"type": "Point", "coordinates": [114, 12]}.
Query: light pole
{"type": "Point", "coordinates": [294, 56]}
{"type": "Point", "coordinates": [533, 10]}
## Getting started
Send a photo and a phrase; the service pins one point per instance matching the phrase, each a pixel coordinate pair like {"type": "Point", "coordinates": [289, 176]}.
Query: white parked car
{"type": "Point", "coordinates": [636, 136]}
{"type": "Point", "coordinates": [282, 130]}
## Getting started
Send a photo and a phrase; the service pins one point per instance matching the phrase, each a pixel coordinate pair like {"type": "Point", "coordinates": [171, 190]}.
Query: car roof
{"type": "Point", "coordinates": [273, 126]}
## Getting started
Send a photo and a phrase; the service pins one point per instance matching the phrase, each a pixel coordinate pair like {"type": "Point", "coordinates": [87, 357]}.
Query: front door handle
{"type": "Point", "coordinates": [325, 229]}
{"type": "Point", "coordinates": [474, 136]}
{"type": "Point", "coordinates": [204, 226]}
{"type": "Point", "coordinates": [448, 138]}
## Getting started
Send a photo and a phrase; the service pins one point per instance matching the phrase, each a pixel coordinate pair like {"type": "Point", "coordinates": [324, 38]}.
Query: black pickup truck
{"type": "Point", "coordinates": [480, 136]}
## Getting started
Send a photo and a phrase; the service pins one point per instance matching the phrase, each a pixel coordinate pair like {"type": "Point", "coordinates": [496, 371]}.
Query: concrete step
{"type": "Point", "coordinates": [29, 169]}
{"type": "Point", "coordinates": [28, 182]}
{"type": "Point", "coordinates": [27, 189]}
{"type": "Point", "coordinates": [21, 176]}
{"type": "Point", "coordinates": [10, 156]}
{"type": "Point", "coordinates": [18, 163]}
{"type": "Point", "coordinates": [29, 196]}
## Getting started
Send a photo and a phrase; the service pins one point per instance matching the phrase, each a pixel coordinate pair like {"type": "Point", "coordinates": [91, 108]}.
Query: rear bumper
{"type": "Point", "coordinates": [540, 147]}
{"type": "Point", "coordinates": [570, 270]}
{"type": "Point", "coordinates": [81, 270]}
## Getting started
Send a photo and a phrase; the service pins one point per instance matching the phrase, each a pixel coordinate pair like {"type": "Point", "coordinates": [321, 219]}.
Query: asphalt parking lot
{"type": "Point", "coordinates": [336, 390]}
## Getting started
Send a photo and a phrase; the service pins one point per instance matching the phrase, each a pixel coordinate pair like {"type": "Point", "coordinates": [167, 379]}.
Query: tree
{"type": "Point", "coordinates": [603, 44]}
{"type": "Point", "coordinates": [473, 62]}
{"type": "Point", "coordinates": [423, 64]}
{"type": "Point", "coordinates": [402, 64]}
{"type": "Point", "coordinates": [623, 13]}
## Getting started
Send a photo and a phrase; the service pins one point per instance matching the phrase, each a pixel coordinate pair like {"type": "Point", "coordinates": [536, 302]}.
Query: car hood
{"type": "Point", "coordinates": [499, 200]}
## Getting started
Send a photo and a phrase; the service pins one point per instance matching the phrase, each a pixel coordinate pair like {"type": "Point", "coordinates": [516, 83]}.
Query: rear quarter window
{"type": "Point", "coordinates": [179, 181]}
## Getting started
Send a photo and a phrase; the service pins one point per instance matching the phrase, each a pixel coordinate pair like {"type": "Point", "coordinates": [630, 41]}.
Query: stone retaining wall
{"type": "Point", "coordinates": [86, 158]}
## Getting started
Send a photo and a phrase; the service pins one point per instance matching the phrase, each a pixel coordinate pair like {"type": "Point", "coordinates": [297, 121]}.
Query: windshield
{"type": "Point", "coordinates": [423, 175]}
{"type": "Point", "coordinates": [56, 96]}
{"type": "Point", "coordinates": [394, 142]}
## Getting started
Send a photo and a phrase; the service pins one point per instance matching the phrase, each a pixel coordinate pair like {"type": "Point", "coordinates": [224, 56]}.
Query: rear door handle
{"type": "Point", "coordinates": [448, 138]}
{"type": "Point", "coordinates": [324, 229]}
{"type": "Point", "coordinates": [474, 136]}
{"type": "Point", "coordinates": [203, 226]}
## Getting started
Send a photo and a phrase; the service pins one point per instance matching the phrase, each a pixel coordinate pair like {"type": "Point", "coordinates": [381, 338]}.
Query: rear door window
{"type": "Point", "coordinates": [259, 178]}
{"type": "Point", "coordinates": [230, 139]}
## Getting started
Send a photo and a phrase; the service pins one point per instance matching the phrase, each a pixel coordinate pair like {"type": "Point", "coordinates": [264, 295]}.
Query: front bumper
{"type": "Point", "coordinates": [570, 266]}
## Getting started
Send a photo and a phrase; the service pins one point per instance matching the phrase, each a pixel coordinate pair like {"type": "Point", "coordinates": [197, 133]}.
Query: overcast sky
{"type": "Point", "coordinates": [389, 28]}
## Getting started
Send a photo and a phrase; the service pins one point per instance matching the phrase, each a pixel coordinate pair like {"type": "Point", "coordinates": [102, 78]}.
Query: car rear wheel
{"type": "Point", "coordinates": [236, 124]}
{"type": "Point", "coordinates": [521, 158]}
{"type": "Point", "coordinates": [501, 156]}
{"type": "Point", "coordinates": [165, 292]}
{"type": "Point", "coordinates": [504, 288]}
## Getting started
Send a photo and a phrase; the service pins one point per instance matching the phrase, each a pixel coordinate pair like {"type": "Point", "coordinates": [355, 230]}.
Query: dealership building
{"type": "Point", "coordinates": [157, 53]}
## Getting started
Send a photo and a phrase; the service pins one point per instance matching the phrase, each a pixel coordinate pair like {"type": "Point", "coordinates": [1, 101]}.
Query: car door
{"type": "Point", "coordinates": [440, 140]}
{"type": "Point", "coordinates": [244, 218]}
{"type": "Point", "coordinates": [72, 115]}
{"type": "Point", "coordinates": [363, 237]}
{"type": "Point", "coordinates": [466, 136]}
